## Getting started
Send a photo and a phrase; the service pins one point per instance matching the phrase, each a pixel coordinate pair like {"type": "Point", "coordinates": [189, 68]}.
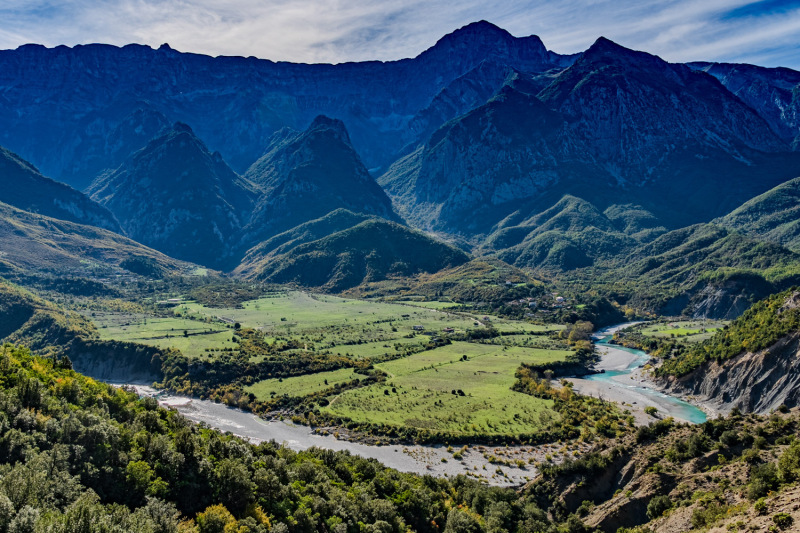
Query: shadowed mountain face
{"type": "Point", "coordinates": [24, 187]}
{"type": "Point", "coordinates": [773, 92]}
{"type": "Point", "coordinates": [306, 175]}
{"type": "Point", "coordinates": [61, 105]}
{"type": "Point", "coordinates": [619, 125]}
{"type": "Point", "coordinates": [177, 197]}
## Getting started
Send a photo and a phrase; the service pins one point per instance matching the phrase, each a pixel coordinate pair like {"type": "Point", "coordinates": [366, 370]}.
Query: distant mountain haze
{"type": "Point", "coordinates": [607, 165]}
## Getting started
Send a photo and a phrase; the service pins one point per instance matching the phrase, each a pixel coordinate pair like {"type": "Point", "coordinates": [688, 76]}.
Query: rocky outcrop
{"type": "Point", "coordinates": [752, 382]}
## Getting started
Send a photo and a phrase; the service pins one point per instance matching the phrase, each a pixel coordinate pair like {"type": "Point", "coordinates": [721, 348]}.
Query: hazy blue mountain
{"type": "Point", "coordinates": [617, 126]}
{"type": "Point", "coordinates": [60, 105]}
{"type": "Point", "coordinates": [306, 175]}
{"type": "Point", "coordinates": [176, 196]}
{"type": "Point", "coordinates": [773, 92]}
{"type": "Point", "coordinates": [24, 187]}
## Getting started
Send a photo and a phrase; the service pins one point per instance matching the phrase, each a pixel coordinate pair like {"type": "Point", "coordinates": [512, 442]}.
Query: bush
{"type": "Point", "coordinates": [658, 506]}
{"type": "Point", "coordinates": [760, 507]}
{"type": "Point", "coordinates": [763, 479]}
{"type": "Point", "coordinates": [650, 410]}
{"type": "Point", "coordinates": [789, 463]}
{"type": "Point", "coordinates": [729, 438]}
{"type": "Point", "coordinates": [783, 520]}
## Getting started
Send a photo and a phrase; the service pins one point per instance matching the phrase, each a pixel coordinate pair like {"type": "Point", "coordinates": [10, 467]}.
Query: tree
{"type": "Point", "coordinates": [214, 519]}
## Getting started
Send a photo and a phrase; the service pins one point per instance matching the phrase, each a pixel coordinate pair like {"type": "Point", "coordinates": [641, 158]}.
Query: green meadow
{"type": "Point", "coordinates": [686, 330]}
{"type": "Point", "coordinates": [302, 385]}
{"type": "Point", "coordinates": [462, 389]}
{"type": "Point", "coordinates": [193, 338]}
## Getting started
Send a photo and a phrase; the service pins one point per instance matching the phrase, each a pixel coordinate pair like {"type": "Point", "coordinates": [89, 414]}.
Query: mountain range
{"type": "Point", "coordinates": [606, 165]}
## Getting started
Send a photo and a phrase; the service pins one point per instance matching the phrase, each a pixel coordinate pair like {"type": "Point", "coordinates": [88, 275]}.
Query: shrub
{"type": "Point", "coordinates": [783, 520]}
{"type": "Point", "coordinates": [760, 507]}
{"type": "Point", "coordinates": [658, 506]}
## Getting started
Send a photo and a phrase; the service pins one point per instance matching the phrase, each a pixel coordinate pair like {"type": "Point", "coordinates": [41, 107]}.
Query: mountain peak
{"type": "Point", "coordinates": [336, 126]}
{"type": "Point", "coordinates": [482, 28]}
{"type": "Point", "coordinates": [606, 50]}
{"type": "Point", "coordinates": [480, 40]}
{"type": "Point", "coordinates": [182, 127]}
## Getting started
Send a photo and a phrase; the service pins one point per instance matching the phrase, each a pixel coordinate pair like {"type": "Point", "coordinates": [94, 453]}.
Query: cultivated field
{"type": "Point", "coordinates": [191, 337]}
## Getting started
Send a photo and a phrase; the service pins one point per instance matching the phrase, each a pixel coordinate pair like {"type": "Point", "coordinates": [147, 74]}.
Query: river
{"type": "Point", "coordinates": [624, 382]}
{"type": "Point", "coordinates": [621, 382]}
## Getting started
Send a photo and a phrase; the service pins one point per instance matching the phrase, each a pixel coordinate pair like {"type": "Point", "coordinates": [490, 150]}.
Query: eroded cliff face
{"type": "Point", "coordinates": [752, 382]}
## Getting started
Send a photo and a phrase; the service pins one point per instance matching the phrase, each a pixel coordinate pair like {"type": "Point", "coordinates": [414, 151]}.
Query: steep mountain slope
{"type": "Point", "coordinates": [24, 187]}
{"type": "Point", "coordinates": [176, 196]}
{"type": "Point", "coordinates": [306, 175]}
{"type": "Point", "coordinates": [369, 251]}
{"type": "Point", "coordinates": [32, 242]}
{"type": "Point", "coordinates": [752, 365]}
{"type": "Point", "coordinates": [624, 125]}
{"type": "Point", "coordinates": [729, 474]}
{"type": "Point", "coordinates": [773, 92]}
{"type": "Point", "coordinates": [773, 216]}
{"type": "Point", "coordinates": [60, 105]}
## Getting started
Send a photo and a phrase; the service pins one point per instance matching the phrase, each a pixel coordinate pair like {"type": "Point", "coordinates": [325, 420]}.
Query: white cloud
{"type": "Point", "coordinates": [357, 30]}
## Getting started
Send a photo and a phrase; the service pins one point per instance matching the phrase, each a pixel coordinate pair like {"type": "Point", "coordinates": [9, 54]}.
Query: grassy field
{"type": "Point", "coordinates": [686, 330]}
{"type": "Point", "coordinates": [165, 332]}
{"type": "Point", "coordinates": [301, 385]}
{"type": "Point", "coordinates": [420, 392]}
{"type": "Point", "coordinates": [357, 329]}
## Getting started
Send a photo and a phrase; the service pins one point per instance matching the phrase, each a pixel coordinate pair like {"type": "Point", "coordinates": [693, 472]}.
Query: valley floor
{"type": "Point", "coordinates": [496, 465]}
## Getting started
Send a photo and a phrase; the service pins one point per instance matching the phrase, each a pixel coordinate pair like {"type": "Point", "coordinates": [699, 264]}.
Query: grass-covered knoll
{"type": "Point", "coordinates": [773, 216]}
{"type": "Point", "coordinates": [302, 385]}
{"type": "Point", "coordinates": [758, 328]}
{"type": "Point", "coordinates": [78, 455]}
{"type": "Point", "coordinates": [458, 390]}
{"type": "Point", "coordinates": [571, 234]}
{"type": "Point", "coordinates": [370, 251]}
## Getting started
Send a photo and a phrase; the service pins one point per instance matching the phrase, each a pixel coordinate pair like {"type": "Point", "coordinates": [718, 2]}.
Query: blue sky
{"type": "Point", "coordinates": [765, 32]}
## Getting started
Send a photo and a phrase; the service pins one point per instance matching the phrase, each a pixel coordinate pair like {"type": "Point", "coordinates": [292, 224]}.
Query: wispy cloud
{"type": "Point", "coordinates": [765, 32]}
